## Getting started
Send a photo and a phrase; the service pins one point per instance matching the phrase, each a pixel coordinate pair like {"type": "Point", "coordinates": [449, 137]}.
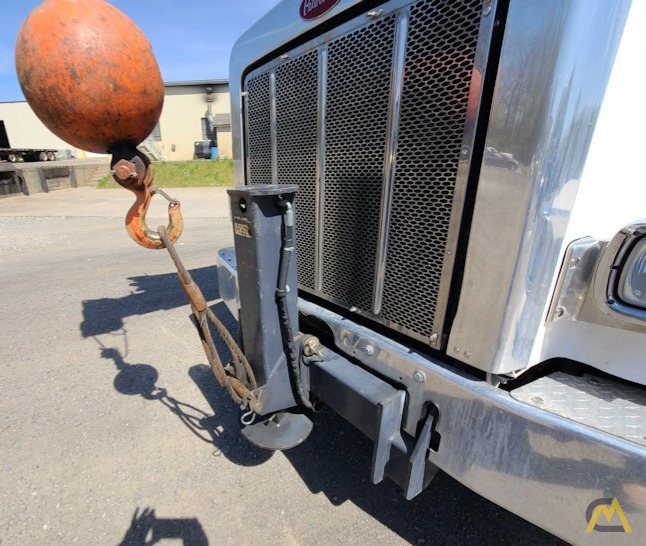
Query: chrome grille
{"type": "Point", "coordinates": [296, 121]}
{"type": "Point", "coordinates": [339, 126]}
{"type": "Point", "coordinates": [439, 63]}
{"type": "Point", "coordinates": [259, 130]}
{"type": "Point", "coordinates": [359, 72]}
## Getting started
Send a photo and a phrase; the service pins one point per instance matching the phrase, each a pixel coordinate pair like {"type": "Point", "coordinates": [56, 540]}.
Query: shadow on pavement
{"type": "Point", "coordinates": [163, 292]}
{"type": "Point", "coordinates": [150, 293]}
{"type": "Point", "coordinates": [147, 529]}
{"type": "Point", "coordinates": [220, 428]}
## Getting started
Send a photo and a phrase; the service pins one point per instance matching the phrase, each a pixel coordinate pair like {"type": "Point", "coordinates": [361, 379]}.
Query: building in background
{"type": "Point", "coordinates": [195, 112]}
{"type": "Point", "coordinates": [196, 117]}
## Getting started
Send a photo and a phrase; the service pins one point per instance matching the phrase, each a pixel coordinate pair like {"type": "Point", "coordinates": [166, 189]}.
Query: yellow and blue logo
{"type": "Point", "coordinates": [607, 507]}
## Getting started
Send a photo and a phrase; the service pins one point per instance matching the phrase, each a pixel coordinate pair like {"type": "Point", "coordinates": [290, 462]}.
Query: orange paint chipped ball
{"type": "Point", "coordinates": [89, 74]}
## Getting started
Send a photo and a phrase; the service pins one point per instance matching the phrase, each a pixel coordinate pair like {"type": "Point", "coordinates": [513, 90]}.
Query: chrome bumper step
{"type": "Point", "coordinates": [600, 403]}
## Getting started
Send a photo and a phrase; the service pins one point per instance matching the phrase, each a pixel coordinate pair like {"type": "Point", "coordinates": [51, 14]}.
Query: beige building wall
{"type": "Point", "coordinates": [185, 104]}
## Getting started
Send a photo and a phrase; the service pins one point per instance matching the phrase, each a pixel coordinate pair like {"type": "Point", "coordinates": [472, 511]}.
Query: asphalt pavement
{"type": "Point", "coordinates": [113, 430]}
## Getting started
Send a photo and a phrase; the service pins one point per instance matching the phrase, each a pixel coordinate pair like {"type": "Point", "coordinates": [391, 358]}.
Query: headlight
{"type": "Point", "coordinates": [632, 282]}
{"type": "Point", "coordinates": [625, 264]}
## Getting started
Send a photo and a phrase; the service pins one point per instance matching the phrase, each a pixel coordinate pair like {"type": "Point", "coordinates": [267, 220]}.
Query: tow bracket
{"type": "Point", "coordinates": [376, 409]}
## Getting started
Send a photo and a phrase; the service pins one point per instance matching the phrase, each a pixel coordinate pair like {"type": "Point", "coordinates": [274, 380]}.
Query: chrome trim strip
{"type": "Point", "coordinates": [273, 116]}
{"type": "Point", "coordinates": [487, 25]}
{"type": "Point", "coordinates": [396, 90]}
{"type": "Point", "coordinates": [534, 157]}
{"type": "Point", "coordinates": [245, 161]}
{"type": "Point", "coordinates": [320, 167]}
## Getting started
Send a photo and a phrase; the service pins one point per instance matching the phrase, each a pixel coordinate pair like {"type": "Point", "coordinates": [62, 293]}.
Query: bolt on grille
{"type": "Point", "coordinates": [334, 125]}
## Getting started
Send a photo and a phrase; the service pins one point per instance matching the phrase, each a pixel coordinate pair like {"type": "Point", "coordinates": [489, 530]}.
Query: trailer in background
{"type": "Point", "coordinates": [14, 155]}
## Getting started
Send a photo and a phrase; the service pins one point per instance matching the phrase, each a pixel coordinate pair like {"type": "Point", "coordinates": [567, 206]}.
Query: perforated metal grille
{"type": "Point", "coordinates": [359, 73]}
{"type": "Point", "coordinates": [296, 134]}
{"type": "Point", "coordinates": [438, 73]}
{"type": "Point", "coordinates": [439, 63]}
{"type": "Point", "coordinates": [259, 119]}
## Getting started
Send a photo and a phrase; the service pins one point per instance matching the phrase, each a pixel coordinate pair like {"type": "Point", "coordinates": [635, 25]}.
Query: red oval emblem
{"type": "Point", "coordinates": [311, 9]}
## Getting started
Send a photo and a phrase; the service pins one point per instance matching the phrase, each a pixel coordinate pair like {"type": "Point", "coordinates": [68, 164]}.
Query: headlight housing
{"type": "Point", "coordinates": [631, 288]}
{"type": "Point", "coordinates": [626, 278]}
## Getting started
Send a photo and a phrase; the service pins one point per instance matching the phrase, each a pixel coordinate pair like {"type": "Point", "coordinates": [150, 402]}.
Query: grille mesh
{"type": "Point", "coordinates": [359, 73]}
{"type": "Point", "coordinates": [259, 106]}
{"type": "Point", "coordinates": [439, 64]}
{"type": "Point", "coordinates": [296, 134]}
{"type": "Point", "coordinates": [438, 73]}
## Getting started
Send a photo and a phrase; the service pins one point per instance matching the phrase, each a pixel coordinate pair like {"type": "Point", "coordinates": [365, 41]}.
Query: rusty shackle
{"type": "Point", "coordinates": [133, 171]}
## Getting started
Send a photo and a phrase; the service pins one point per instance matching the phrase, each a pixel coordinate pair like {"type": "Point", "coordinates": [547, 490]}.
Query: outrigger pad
{"type": "Point", "coordinates": [283, 430]}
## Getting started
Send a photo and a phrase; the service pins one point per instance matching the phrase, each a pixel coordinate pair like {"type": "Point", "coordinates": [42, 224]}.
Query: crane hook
{"type": "Point", "coordinates": [132, 170]}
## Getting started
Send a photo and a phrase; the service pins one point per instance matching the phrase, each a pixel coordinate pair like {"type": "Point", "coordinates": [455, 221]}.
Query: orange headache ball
{"type": "Point", "coordinates": [89, 74]}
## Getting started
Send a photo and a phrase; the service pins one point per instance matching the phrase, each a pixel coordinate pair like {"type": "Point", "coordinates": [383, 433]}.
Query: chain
{"type": "Point", "coordinates": [240, 380]}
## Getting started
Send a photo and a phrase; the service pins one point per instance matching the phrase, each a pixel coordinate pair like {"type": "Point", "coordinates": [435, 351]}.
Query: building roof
{"type": "Point", "coordinates": [196, 82]}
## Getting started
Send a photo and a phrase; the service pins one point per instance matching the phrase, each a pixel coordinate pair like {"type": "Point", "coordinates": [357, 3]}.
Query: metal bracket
{"type": "Point", "coordinates": [377, 410]}
{"type": "Point", "coordinates": [389, 414]}
{"type": "Point", "coordinates": [420, 471]}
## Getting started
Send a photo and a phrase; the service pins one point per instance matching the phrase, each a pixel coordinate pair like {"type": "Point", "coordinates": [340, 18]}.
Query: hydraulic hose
{"type": "Point", "coordinates": [286, 251]}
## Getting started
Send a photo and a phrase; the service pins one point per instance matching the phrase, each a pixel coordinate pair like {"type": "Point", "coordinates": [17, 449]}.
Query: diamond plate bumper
{"type": "Point", "coordinates": [600, 403]}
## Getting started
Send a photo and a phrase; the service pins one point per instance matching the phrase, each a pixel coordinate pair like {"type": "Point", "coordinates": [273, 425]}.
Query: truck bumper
{"type": "Point", "coordinates": [550, 470]}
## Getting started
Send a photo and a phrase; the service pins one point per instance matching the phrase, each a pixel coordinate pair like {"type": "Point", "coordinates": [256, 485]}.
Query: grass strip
{"type": "Point", "coordinates": [186, 174]}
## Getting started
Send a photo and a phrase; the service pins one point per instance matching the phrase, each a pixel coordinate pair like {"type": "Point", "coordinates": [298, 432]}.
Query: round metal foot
{"type": "Point", "coordinates": [282, 430]}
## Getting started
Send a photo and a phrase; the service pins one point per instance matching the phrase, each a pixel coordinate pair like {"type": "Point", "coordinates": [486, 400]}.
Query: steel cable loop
{"type": "Point", "coordinates": [236, 385]}
{"type": "Point", "coordinates": [214, 358]}
{"type": "Point", "coordinates": [240, 361]}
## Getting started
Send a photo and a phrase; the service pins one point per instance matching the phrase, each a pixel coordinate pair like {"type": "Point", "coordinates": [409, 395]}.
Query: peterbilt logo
{"type": "Point", "coordinates": [311, 9]}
